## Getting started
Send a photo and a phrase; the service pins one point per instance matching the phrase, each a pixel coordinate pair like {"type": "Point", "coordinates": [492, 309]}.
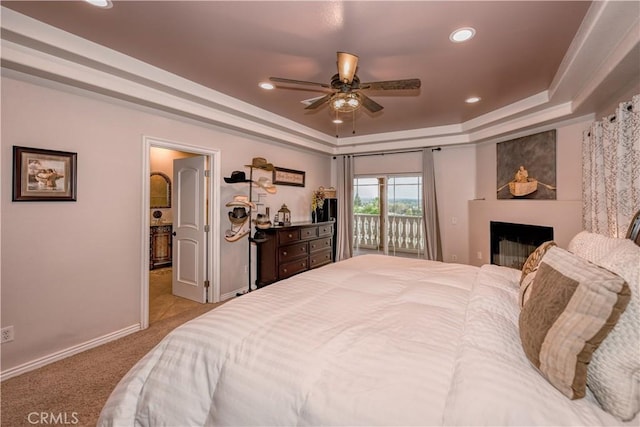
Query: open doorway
{"type": "Point", "coordinates": [161, 216]}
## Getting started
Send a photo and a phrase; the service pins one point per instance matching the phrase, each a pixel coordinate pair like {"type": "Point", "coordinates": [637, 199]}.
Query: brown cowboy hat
{"type": "Point", "coordinates": [260, 163]}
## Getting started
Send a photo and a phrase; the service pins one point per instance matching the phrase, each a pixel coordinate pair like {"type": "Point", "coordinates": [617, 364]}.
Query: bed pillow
{"type": "Point", "coordinates": [529, 270]}
{"type": "Point", "coordinates": [614, 371]}
{"type": "Point", "coordinates": [573, 306]}
{"type": "Point", "coordinates": [593, 246]}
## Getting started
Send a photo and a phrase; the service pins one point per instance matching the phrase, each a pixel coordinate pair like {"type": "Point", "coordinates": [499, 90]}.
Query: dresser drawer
{"type": "Point", "coordinates": [288, 236]}
{"type": "Point", "coordinates": [286, 253]}
{"type": "Point", "coordinates": [293, 267]}
{"type": "Point", "coordinates": [320, 258]}
{"type": "Point", "coordinates": [308, 233]}
{"type": "Point", "coordinates": [320, 244]}
{"type": "Point", "coordinates": [325, 230]}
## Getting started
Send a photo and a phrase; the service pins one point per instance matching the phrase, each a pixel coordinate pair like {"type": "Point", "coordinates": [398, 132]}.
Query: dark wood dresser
{"type": "Point", "coordinates": [293, 249]}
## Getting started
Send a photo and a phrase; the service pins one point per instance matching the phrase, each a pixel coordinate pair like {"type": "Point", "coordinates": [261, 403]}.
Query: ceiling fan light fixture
{"type": "Point", "coordinates": [347, 64]}
{"type": "Point", "coordinates": [345, 102]}
{"type": "Point", "coordinates": [462, 34]}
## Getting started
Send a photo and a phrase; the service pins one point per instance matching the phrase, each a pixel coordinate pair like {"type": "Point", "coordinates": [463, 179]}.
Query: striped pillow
{"type": "Point", "coordinates": [529, 270]}
{"type": "Point", "coordinates": [573, 306]}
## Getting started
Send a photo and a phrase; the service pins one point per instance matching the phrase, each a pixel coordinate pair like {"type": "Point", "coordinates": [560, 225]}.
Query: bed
{"type": "Point", "coordinates": [373, 340]}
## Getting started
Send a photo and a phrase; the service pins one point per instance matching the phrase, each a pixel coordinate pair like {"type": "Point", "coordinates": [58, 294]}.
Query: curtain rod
{"type": "Point", "coordinates": [390, 152]}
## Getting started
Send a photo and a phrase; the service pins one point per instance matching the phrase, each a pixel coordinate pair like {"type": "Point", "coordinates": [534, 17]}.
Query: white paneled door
{"type": "Point", "coordinates": [190, 229]}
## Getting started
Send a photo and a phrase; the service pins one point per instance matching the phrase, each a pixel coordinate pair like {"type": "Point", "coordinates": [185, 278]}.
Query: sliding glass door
{"type": "Point", "coordinates": [387, 213]}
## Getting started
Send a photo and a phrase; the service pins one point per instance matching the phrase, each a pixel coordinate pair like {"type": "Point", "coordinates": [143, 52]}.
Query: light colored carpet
{"type": "Point", "coordinates": [78, 387]}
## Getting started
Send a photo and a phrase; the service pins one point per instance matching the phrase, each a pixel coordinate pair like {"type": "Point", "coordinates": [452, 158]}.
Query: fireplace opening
{"type": "Point", "coordinates": [511, 244]}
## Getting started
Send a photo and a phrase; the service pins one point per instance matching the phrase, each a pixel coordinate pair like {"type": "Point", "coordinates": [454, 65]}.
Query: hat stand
{"type": "Point", "coordinates": [250, 218]}
{"type": "Point", "coordinates": [250, 238]}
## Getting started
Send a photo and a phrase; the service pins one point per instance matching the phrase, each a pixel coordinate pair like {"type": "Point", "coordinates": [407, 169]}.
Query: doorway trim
{"type": "Point", "coordinates": [213, 217]}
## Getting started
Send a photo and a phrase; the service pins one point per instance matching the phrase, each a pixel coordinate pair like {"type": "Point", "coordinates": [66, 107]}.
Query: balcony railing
{"type": "Point", "coordinates": [404, 233]}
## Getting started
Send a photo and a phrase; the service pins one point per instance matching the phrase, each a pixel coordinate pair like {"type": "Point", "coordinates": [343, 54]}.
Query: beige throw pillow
{"type": "Point", "coordinates": [573, 306]}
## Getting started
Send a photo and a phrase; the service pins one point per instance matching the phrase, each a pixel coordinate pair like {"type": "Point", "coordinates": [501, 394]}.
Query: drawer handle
{"type": "Point", "coordinates": [302, 264]}
{"type": "Point", "coordinates": [284, 253]}
{"type": "Point", "coordinates": [285, 270]}
{"type": "Point", "coordinates": [326, 243]}
{"type": "Point", "coordinates": [290, 235]}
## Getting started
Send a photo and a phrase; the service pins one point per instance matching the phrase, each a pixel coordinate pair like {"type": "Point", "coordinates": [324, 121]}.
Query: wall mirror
{"type": "Point", "coordinates": [160, 190]}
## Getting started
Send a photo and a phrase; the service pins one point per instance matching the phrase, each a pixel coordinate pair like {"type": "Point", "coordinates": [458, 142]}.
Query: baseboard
{"type": "Point", "coordinates": [233, 293]}
{"type": "Point", "coordinates": [62, 354]}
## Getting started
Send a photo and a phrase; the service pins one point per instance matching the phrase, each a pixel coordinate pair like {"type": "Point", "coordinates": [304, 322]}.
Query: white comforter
{"type": "Point", "coordinates": [373, 340]}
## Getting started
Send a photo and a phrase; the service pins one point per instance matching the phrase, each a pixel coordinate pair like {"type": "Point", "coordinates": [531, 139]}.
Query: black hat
{"type": "Point", "coordinates": [259, 237]}
{"type": "Point", "coordinates": [237, 176]}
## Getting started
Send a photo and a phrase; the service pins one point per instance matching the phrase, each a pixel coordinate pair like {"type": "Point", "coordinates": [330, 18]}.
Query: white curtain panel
{"type": "Point", "coordinates": [344, 192]}
{"type": "Point", "coordinates": [611, 171]}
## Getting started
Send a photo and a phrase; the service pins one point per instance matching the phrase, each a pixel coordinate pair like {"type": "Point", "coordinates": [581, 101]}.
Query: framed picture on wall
{"type": "Point", "coordinates": [43, 175]}
{"type": "Point", "coordinates": [526, 167]}
{"type": "Point", "coordinates": [282, 176]}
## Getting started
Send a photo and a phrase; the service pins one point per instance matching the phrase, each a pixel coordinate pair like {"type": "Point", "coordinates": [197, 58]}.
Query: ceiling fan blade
{"type": "Point", "coordinates": [392, 85]}
{"type": "Point", "coordinates": [369, 103]}
{"type": "Point", "coordinates": [298, 82]}
{"type": "Point", "coordinates": [347, 64]}
{"type": "Point", "coordinates": [318, 102]}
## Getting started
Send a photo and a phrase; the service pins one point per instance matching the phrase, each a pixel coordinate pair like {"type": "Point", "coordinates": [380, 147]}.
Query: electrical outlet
{"type": "Point", "coordinates": [479, 255]}
{"type": "Point", "coordinates": [246, 268]}
{"type": "Point", "coordinates": [6, 334]}
{"type": "Point", "coordinates": [454, 258]}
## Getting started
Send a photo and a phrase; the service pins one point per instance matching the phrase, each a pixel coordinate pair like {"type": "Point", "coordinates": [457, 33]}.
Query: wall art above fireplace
{"type": "Point", "coordinates": [526, 167]}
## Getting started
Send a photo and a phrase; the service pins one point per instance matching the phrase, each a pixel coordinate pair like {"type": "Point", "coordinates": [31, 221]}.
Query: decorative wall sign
{"type": "Point", "coordinates": [284, 176]}
{"type": "Point", "coordinates": [43, 175]}
{"type": "Point", "coordinates": [526, 167]}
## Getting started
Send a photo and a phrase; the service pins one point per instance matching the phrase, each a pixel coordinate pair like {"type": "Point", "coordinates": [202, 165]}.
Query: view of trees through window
{"type": "Point", "coordinates": [404, 195]}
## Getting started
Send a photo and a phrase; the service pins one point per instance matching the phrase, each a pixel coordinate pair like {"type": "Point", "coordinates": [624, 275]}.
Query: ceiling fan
{"type": "Point", "coordinates": [346, 89]}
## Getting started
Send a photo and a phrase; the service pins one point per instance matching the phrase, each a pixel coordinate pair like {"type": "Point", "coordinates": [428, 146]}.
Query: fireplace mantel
{"type": "Point", "coordinates": [564, 216]}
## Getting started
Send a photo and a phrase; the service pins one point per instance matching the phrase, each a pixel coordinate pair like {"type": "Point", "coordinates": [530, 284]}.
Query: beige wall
{"type": "Point", "coordinates": [563, 214]}
{"type": "Point", "coordinates": [71, 271]}
{"type": "Point", "coordinates": [455, 186]}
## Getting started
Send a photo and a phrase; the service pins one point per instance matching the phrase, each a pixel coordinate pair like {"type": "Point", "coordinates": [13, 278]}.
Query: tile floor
{"type": "Point", "coordinates": [162, 303]}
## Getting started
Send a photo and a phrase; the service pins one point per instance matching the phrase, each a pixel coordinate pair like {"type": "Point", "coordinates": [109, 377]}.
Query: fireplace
{"type": "Point", "coordinates": [511, 244]}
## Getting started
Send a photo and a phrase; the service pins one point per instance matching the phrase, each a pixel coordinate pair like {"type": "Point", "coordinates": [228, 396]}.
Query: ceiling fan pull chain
{"type": "Point", "coordinates": [354, 122]}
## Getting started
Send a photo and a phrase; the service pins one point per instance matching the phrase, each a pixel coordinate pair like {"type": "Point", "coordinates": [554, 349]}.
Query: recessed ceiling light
{"type": "Point", "coordinates": [266, 85]}
{"type": "Point", "coordinates": [472, 100]}
{"type": "Point", "coordinates": [337, 121]}
{"type": "Point", "coordinates": [462, 34]}
{"type": "Point", "coordinates": [105, 4]}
